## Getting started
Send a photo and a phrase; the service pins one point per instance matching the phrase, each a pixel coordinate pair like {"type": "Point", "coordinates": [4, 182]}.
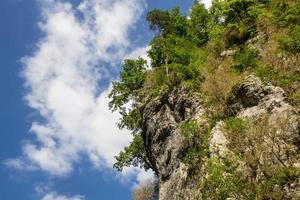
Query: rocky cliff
{"type": "Point", "coordinates": [216, 114]}
{"type": "Point", "coordinates": [164, 142]}
{"type": "Point", "coordinates": [261, 138]}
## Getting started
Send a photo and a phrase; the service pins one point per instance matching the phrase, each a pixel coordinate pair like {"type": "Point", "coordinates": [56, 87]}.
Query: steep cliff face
{"type": "Point", "coordinates": [165, 145]}
{"type": "Point", "coordinates": [272, 140]}
{"type": "Point", "coordinates": [238, 138]}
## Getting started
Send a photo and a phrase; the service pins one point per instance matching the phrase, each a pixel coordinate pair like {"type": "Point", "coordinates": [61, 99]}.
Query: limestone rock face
{"type": "Point", "coordinates": [253, 96]}
{"type": "Point", "coordinates": [252, 100]}
{"type": "Point", "coordinates": [268, 106]}
{"type": "Point", "coordinates": [256, 101]}
{"type": "Point", "coordinates": [164, 143]}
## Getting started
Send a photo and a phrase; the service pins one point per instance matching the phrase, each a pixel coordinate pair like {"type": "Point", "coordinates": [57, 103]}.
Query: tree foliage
{"type": "Point", "coordinates": [291, 43]}
{"type": "Point", "coordinates": [133, 155]}
{"type": "Point", "coordinates": [170, 49]}
{"type": "Point", "coordinates": [199, 24]}
{"type": "Point", "coordinates": [132, 79]}
{"type": "Point", "coordinates": [167, 22]}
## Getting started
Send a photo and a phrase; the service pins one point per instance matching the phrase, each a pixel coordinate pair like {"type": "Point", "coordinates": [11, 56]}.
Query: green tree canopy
{"type": "Point", "coordinates": [170, 49]}
{"type": "Point", "coordinates": [167, 22]}
{"type": "Point", "coordinates": [132, 79]}
{"type": "Point", "coordinates": [198, 24]}
{"type": "Point", "coordinates": [133, 155]}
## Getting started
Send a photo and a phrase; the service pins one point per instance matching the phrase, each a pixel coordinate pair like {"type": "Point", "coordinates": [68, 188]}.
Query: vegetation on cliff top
{"type": "Point", "coordinates": [210, 51]}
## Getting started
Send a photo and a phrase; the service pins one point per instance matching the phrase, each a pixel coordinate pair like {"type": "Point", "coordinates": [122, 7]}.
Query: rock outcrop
{"type": "Point", "coordinates": [253, 101]}
{"type": "Point", "coordinates": [164, 143]}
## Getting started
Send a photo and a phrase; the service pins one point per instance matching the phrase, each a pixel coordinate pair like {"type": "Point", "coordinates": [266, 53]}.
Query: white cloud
{"type": "Point", "coordinates": [19, 164]}
{"type": "Point", "coordinates": [141, 52]}
{"type": "Point", "coordinates": [207, 3]}
{"type": "Point", "coordinates": [136, 176]}
{"type": "Point", "coordinates": [54, 196]}
{"type": "Point", "coordinates": [62, 78]}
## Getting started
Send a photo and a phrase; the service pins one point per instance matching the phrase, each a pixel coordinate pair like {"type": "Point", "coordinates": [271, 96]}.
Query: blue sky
{"type": "Point", "coordinates": [57, 59]}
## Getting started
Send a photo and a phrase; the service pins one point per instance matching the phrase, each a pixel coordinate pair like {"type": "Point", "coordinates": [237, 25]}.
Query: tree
{"type": "Point", "coordinates": [171, 49]}
{"type": "Point", "coordinates": [198, 24]}
{"type": "Point", "coordinates": [236, 11]}
{"type": "Point", "coordinates": [132, 77]}
{"type": "Point", "coordinates": [167, 22]}
{"type": "Point", "coordinates": [133, 155]}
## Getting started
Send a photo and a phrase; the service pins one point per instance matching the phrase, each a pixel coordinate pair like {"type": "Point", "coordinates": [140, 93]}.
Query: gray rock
{"type": "Point", "coordinates": [228, 53]}
{"type": "Point", "coordinates": [165, 145]}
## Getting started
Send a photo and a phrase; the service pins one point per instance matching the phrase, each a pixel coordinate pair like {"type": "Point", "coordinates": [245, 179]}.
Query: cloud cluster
{"type": "Point", "coordinates": [54, 196]}
{"type": "Point", "coordinates": [62, 77]}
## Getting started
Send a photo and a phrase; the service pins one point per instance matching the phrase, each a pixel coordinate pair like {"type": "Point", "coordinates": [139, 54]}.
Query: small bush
{"type": "Point", "coordinates": [155, 84]}
{"type": "Point", "coordinates": [295, 97]}
{"type": "Point", "coordinates": [291, 43]}
{"type": "Point", "coordinates": [236, 125]}
{"type": "Point", "coordinates": [286, 13]}
{"type": "Point", "coordinates": [217, 87]}
{"type": "Point", "coordinates": [260, 146]}
{"type": "Point", "coordinates": [193, 73]}
{"type": "Point", "coordinates": [189, 128]}
{"type": "Point", "coordinates": [198, 145]}
{"type": "Point", "coordinates": [191, 156]}
{"type": "Point", "coordinates": [216, 43]}
{"type": "Point", "coordinates": [273, 59]}
{"type": "Point", "coordinates": [245, 58]}
{"type": "Point", "coordinates": [265, 23]}
{"type": "Point", "coordinates": [273, 188]}
{"type": "Point", "coordinates": [236, 129]}
{"type": "Point", "coordinates": [289, 81]}
{"type": "Point", "coordinates": [222, 181]}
